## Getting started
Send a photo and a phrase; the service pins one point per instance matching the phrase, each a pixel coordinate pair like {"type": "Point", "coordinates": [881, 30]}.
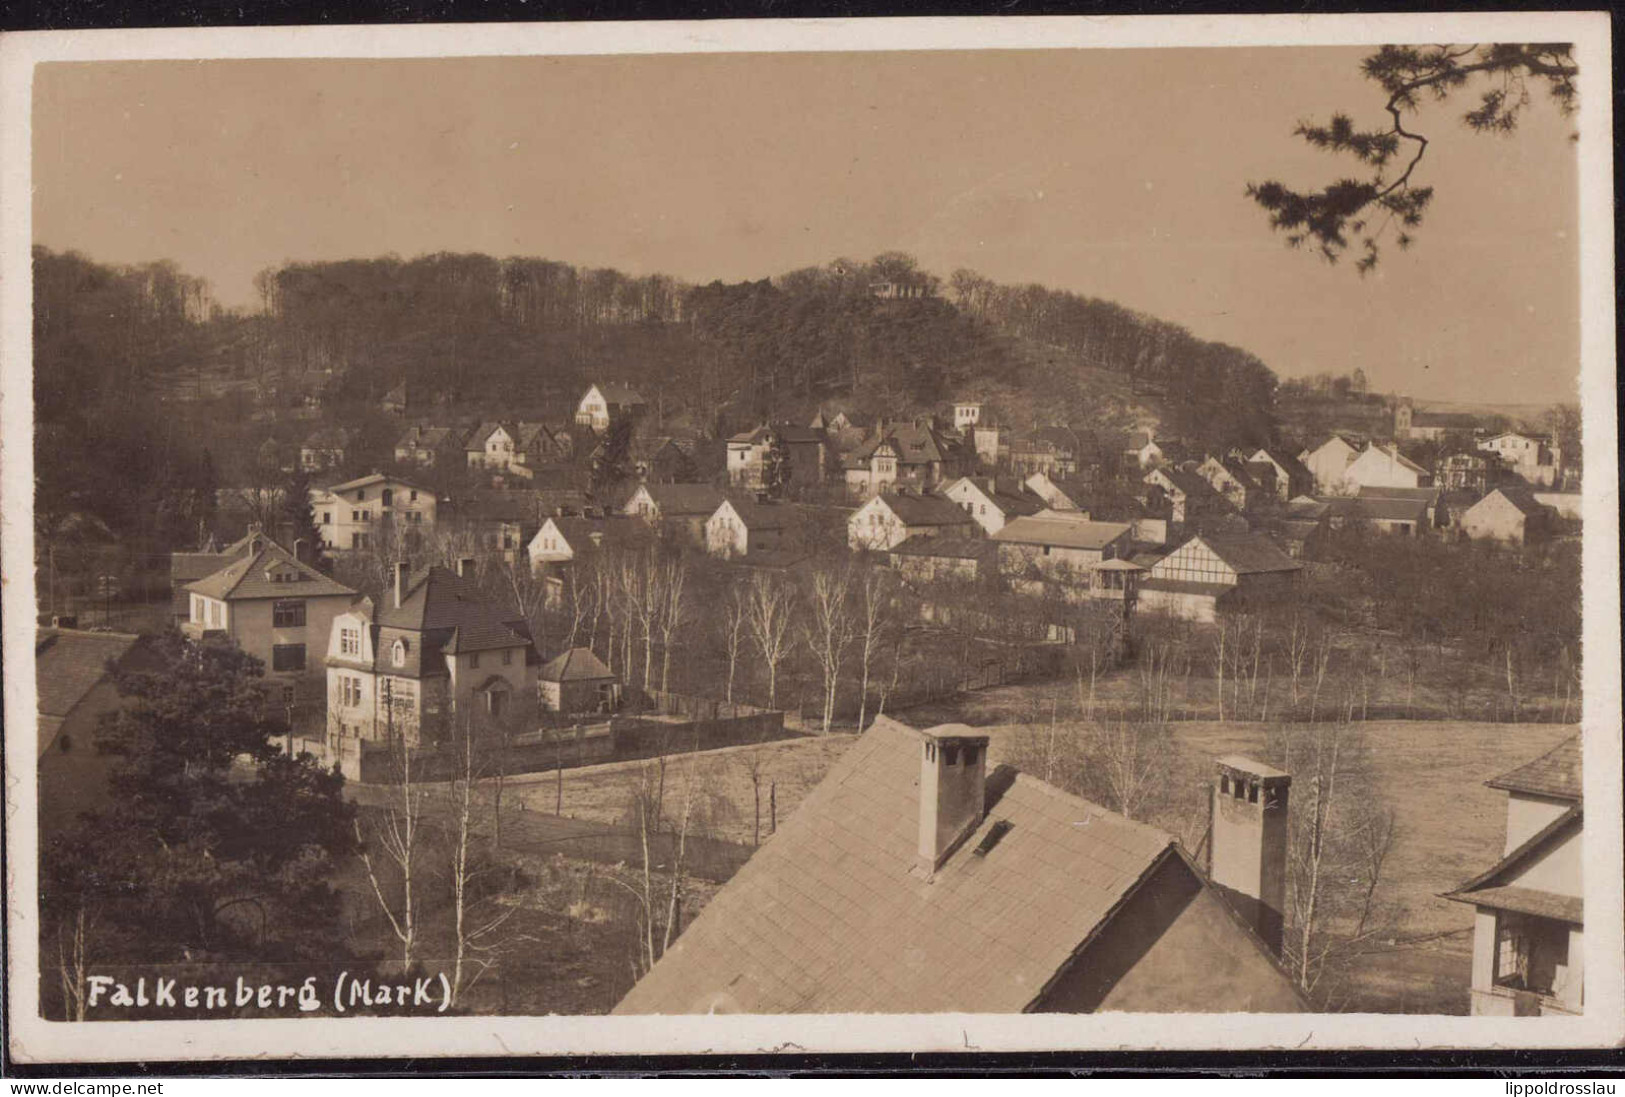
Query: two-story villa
{"type": "Point", "coordinates": [436, 652]}
{"type": "Point", "coordinates": [363, 513]}
{"type": "Point", "coordinates": [1528, 932]}
{"type": "Point", "coordinates": [276, 609]}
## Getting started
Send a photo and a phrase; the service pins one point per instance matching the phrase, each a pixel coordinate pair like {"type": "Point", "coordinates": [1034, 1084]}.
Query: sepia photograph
{"type": "Point", "coordinates": [662, 538]}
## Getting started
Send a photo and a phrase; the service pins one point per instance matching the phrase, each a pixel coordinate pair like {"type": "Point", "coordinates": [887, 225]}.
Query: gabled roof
{"type": "Point", "coordinates": [481, 434]}
{"type": "Point", "coordinates": [371, 479]}
{"type": "Point", "coordinates": [1392, 453]}
{"type": "Point", "coordinates": [426, 437]}
{"type": "Point", "coordinates": [452, 613]}
{"type": "Point", "coordinates": [1061, 532]}
{"type": "Point", "coordinates": [527, 435]}
{"type": "Point", "coordinates": [616, 532]}
{"type": "Point", "coordinates": [1249, 553]}
{"type": "Point", "coordinates": [1010, 496]}
{"type": "Point", "coordinates": [1427, 495]}
{"type": "Point", "coordinates": [762, 516]}
{"type": "Point", "coordinates": [1492, 888]}
{"type": "Point", "coordinates": [615, 393]}
{"type": "Point", "coordinates": [1295, 469]}
{"type": "Point", "coordinates": [575, 665]}
{"type": "Point", "coordinates": [1521, 498]}
{"type": "Point", "coordinates": [1555, 773]}
{"type": "Point", "coordinates": [68, 663]}
{"type": "Point", "coordinates": [249, 577]}
{"type": "Point", "coordinates": [920, 445]}
{"type": "Point", "coordinates": [925, 510]}
{"type": "Point", "coordinates": [1186, 481]}
{"type": "Point", "coordinates": [947, 548]}
{"type": "Point", "coordinates": [828, 915]}
{"type": "Point", "coordinates": [328, 438]}
{"type": "Point", "coordinates": [681, 499]}
{"type": "Point", "coordinates": [1381, 509]}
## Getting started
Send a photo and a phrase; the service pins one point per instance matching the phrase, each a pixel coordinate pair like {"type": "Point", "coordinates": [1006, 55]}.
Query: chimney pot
{"type": "Point", "coordinates": [400, 582]}
{"type": "Point", "coordinates": [1249, 842]}
{"type": "Point", "coordinates": [953, 775]}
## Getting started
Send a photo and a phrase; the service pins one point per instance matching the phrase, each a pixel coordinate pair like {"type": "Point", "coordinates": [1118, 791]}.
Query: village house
{"type": "Point", "coordinates": [1060, 493]}
{"type": "Point", "coordinates": [1529, 920]}
{"type": "Point", "coordinates": [1142, 451]}
{"type": "Point", "coordinates": [991, 444]}
{"type": "Point", "coordinates": [886, 521]}
{"type": "Point", "coordinates": [186, 567]}
{"type": "Point", "coordinates": [427, 446]}
{"type": "Point", "coordinates": [1386, 514]}
{"type": "Point", "coordinates": [1463, 472]}
{"type": "Point", "coordinates": [682, 508]}
{"type": "Point", "coordinates": [992, 502]}
{"type": "Point", "coordinates": [1435, 513]}
{"type": "Point", "coordinates": [915, 880]}
{"type": "Point", "coordinates": [1199, 577]}
{"type": "Point", "coordinates": [663, 460]}
{"type": "Point", "coordinates": [843, 430]}
{"type": "Point", "coordinates": [578, 682]}
{"type": "Point", "coordinates": [1383, 466]}
{"type": "Point", "coordinates": [1508, 514]}
{"type": "Point", "coordinates": [436, 653]}
{"type": "Point", "coordinates": [1055, 451]}
{"type": "Point", "coordinates": [1232, 479]}
{"type": "Point", "coordinates": [1183, 494]}
{"type": "Point", "coordinates": [324, 449]}
{"type": "Point", "coordinates": [1061, 547]}
{"type": "Point", "coordinates": [498, 523]}
{"type": "Point", "coordinates": [606, 403]}
{"type": "Point", "coordinates": [395, 401]}
{"type": "Point", "coordinates": [1329, 463]}
{"type": "Point", "coordinates": [924, 558]}
{"type": "Point", "coordinates": [1533, 459]}
{"type": "Point", "coordinates": [740, 528]}
{"type": "Point", "coordinates": [804, 451]}
{"type": "Point", "coordinates": [490, 446]}
{"type": "Point", "coordinates": [373, 511]}
{"type": "Point", "coordinates": [871, 469]}
{"type": "Point", "coordinates": [74, 674]}
{"type": "Point", "coordinates": [538, 445]}
{"type": "Point", "coordinates": [563, 538]}
{"type": "Point", "coordinates": [967, 413]}
{"type": "Point", "coordinates": [1292, 476]}
{"type": "Point", "coordinates": [276, 609]}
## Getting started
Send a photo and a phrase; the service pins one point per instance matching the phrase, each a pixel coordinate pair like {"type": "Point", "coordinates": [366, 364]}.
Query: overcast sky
{"type": "Point", "coordinates": [1114, 173]}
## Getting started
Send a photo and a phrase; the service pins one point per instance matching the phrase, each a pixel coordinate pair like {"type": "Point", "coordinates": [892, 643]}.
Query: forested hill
{"type": "Point", "coordinates": [524, 336]}
{"type": "Point", "coordinates": [530, 330]}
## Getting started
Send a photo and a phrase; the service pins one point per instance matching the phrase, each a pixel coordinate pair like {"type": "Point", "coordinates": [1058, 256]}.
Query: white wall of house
{"type": "Point", "coordinates": [726, 533]}
{"type": "Point", "coordinates": [358, 517]}
{"type": "Point", "coordinates": [1381, 468]}
{"type": "Point", "coordinates": [1494, 518]}
{"type": "Point", "coordinates": [1329, 464]}
{"type": "Point", "coordinates": [877, 528]}
{"type": "Point", "coordinates": [548, 547]}
{"type": "Point", "coordinates": [593, 410]}
{"type": "Point", "coordinates": [968, 495]}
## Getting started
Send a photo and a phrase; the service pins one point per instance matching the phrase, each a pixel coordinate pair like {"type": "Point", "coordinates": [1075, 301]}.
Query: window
{"type": "Point", "coordinates": [474, 661]}
{"type": "Point", "coordinates": [496, 701]}
{"type": "Point", "coordinates": [398, 654]}
{"type": "Point", "coordinates": [288, 657]}
{"type": "Point", "coordinates": [197, 609]}
{"type": "Point", "coordinates": [355, 540]}
{"type": "Point", "coordinates": [417, 516]}
{"type": "Point", "coordinates": [507, 657]}
{"type": "Point", "coordinates": [349, 691]}
{"type": "Point", "coordinates": [327, 517]}
{"type": "Point", "coordinates": [214, 614]}
{"type": "Point", "coordinates": [288, 613]}
{"type": "Point", "coordinates": [389, 497]}
{"type": "Point", "coordinates": [414, 496]}
{"type": "Point", "coordinates": [355, 516]}
{"type": "Point", "coordinates": [349, 641]}
{"type": "Point", "coordinates": [360, 495]}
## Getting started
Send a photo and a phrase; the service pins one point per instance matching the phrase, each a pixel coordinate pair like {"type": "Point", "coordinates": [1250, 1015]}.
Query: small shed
{"type": "Point", "coordinates": [578, 681]}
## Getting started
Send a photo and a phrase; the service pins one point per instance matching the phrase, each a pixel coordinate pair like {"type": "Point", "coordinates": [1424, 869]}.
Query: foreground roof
{"type": "Point", "coordinates": [575, 665]}
{"type": "Point", "coordinates": [1497, 887]}
{"type": "Point", "coordinates": [827, 917]}
{"type": "Point", "coordinates": [1249, 553]}
{"type": "Point", "coordinates": [685, 498]}
{"type": "Point", "coordinates": [1555, 773]}
{"type": "Point", "coordinates": [271, 572]}
{"type": "Point", "coordinates": [453, 614]}
{"type": "Point", "coordinates": [68, 662]}
{"type": "Point", "coordinates": [1062, 532]}
{"type": "Point", "coordinates": [925, 510]}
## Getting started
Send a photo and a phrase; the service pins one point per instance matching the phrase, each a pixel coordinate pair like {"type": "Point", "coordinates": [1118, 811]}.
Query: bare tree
{"type": "Point", "coordinates": [874, 599]}
{"type": "Point", "coordinates": [828, 629]}
{"type": "Point", "coordinates": [735, 617]}
{"type": "Point", "coordinates": [673, 612]}
{"type": "Point", "coordinates": [396, 830]}
{"type": "Point", "coordinates": [769, 622]}
{"type": "Point", "coordinates": [468, 863]}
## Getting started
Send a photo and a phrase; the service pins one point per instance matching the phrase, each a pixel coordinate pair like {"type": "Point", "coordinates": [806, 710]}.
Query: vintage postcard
{"type": "Point", "coordinates": [895, 535]}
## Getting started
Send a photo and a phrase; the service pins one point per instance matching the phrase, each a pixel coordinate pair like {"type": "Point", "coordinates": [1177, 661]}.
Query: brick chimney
{"type": "Point", "coordinates": [953, 771]}
{"type": "Point", "coordinates": [465, 567]}
{"type": "Point", "coordinates": [1248, 843]}
{"type": "Point", "coordinates": [400, 583]}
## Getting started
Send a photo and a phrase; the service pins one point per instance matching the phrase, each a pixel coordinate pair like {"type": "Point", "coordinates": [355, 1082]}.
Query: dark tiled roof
{"type": "Point", "coordinates": [426, 438]}
{"type": "Point", "coordinates": [250, 578]}
{"type": "Point", "coordinates": [1555, 773]}
{"type": "Point", "coordinates": [476, 441]}
{"type": "Point", "coordinates": [68, 663]}
{"type": "Point", "coordinates": [451, 613]}
{"type": "Point", "coordinates": [1493, 887]}
{"type": "Point", "coordinates": [1542, 904]}
{"type": "Point", "coordinates": [1189, 483]}
{"type": "Point", "coordinates": [1249, 553]}
{"type": "Point", "coordinates": [1520, 497]}
{"type": "Point", "coordinates": [575, 665]}
{"type": "Point", "coordinates": [760, 516]}
{"type": "Point", "coordinates": [615, 393]}
{"type": "Point", "coordinates": [830, 916]}
{"type": "Point", "coordinates": [328, 438]}
{"type": "Point", "coordinates": [1295, 469]}
{"type": "Point", "coordinates": [616, 532]}
{"type": "Point", "coordinates": [374, 478]}
{"type": "Point", "coordinates": [956, 548]}
{"type": "Point", "coordinates": [1392, 510]}
{"type": "Point", "coordinates": [1062, 532]}
{"type": "Point", "coordinates": [1425, 495]}
{"type": "Point", "coordinates": [926, 510]}
{"type": "Point", "coordinates": [679, 499]}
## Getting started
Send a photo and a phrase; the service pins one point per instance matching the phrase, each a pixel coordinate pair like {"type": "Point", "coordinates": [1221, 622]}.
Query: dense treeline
{"type": "Point", "coordinates": [109, 465]}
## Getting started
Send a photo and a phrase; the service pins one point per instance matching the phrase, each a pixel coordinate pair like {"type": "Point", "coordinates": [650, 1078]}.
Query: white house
{"type": "Point", "coordinates": [737, 528]}
{"type": "Point", "coordinates": [684, 508]}
{"type": "Point", "coordinates": [992, 502]}
{"type": "Point", "coordinates": [871, 470]}
{"type": "Point", "coordinates": [1329, 463]}
{"type": "Point", "coordinates": [886, 521]}
{"type": "Point", "coordinates": [491, 446]}
{"type": "Point", "coordinates": [1529, 907]}
{"type": "Point", "coordinates": [1143, 450]}
{"type": "Point", "coordinates": [1384, 467]}
{"type": "Point", "coordinates": [604, 403]}
{"type": "Point", "coordinates": [967, 413]}
{"type": "Point", "coordinates": [1060, 547]}
{"type": "Point", "coordinates": [564, 538]}
{"type": "Point", "coordinates": [1508, 514]}
{"type": "Point", "coordinates": [369, 511]}
{"type": "Point", "coordinates": [1531, 458]}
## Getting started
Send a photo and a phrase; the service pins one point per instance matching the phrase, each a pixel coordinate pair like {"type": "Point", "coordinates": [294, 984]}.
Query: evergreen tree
{"type": "Point", "coordinates": [299, 517]}
{"type": "Point", "coordinates": [775, 466]}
